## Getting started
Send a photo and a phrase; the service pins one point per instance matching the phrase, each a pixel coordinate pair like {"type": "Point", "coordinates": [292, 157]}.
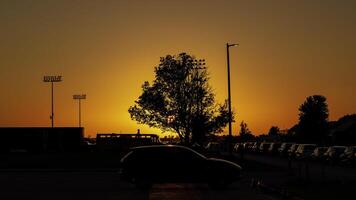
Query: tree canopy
{"type": "Point", "coordinates": [274, 131]}
{"type": "Point", "coordinates": [245, 133]}
{"type": "Point", "coordinates": [180, 100]}
{"type": "Point", "coordinates": [313, 120]}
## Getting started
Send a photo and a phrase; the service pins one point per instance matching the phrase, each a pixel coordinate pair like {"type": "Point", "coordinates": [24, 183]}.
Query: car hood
{"type": "Point", "coordinates": [225, 162]}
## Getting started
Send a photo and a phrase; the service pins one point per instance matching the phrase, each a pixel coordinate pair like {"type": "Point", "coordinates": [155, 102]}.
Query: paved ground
{"type": "Point", "coordinates": [97, 178]}
{"type": "Point", "coordinates": [336, 182]}
{"type": "Point", "coordinates": [306, 169]}
{"type": "Point", "coordinates": [107, 185]}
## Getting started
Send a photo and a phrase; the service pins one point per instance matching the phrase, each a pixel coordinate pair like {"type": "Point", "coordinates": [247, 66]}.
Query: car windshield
{"type": "Point", "coordinates": [195, 153]}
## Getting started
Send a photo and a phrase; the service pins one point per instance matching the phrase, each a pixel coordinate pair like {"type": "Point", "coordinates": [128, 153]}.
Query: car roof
{"type": "Point", "coordinates": [339, 146]}
{"type": "Point", "coordinates": [308, 144]}
{"type": "Point", "coordinates": [140, 148]}
{"type": "Point", "coordinates": [159, 146]}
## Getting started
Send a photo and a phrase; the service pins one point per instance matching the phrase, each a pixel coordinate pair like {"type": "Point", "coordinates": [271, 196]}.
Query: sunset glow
{"type": "Point", "coordinates": [287, 51]}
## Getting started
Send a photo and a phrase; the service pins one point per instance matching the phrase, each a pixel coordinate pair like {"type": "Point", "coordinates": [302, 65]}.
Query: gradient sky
{"type": "Point", "coordinates": [288, 50]}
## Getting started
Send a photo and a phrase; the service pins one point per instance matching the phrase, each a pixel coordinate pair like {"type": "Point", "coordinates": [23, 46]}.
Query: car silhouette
{"type": "Point", "coordinates": [213, 148]}
{"type": "Point", "coordinates": [304, 151]}
{"type": "Point", "coordinates": [146, 165]}
{"type": "Point", "coordinates": [273, 148]}
{"type": "Point", "coordinates": [283, 150]}
{"type": "Point", "coordinates": [333, 154]}
{"type": "Point", "coordinates": [318, 153]}
{"type": "Point", "coordinates": [292, 150]}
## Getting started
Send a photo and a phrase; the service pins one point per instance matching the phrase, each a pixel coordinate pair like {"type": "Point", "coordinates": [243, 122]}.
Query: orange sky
{"type": "Point", "coordinates": [107, 49]}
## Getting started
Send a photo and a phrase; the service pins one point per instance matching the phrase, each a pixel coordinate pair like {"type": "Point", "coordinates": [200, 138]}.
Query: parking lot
{"type": "Point", "coordinates": [95, 176]}
{"type": "Point", "coordinates": [264, 177]}
{"type": "Point", "coordinates": [107, 185]}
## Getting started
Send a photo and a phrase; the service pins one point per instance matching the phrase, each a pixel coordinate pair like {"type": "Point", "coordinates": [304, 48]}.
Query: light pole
{"type": "Point", "coordinates": [229, 94]}
{"type": "Point", "coordinates": [79, 97]}
{"type": "Point", "coordinates": [52, 79]}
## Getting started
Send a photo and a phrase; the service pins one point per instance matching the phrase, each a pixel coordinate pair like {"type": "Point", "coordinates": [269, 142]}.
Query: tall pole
{"type": "Point", "coordinates": [229, 95]}
{"type": "Point", "coordinates": [52, 115]}
{"type": "Point", "coordinates": [80, 120]}
{"type": "Point", "coordinates": [52, 79]}
{"type": "Point", "coordinates": [79, 97]}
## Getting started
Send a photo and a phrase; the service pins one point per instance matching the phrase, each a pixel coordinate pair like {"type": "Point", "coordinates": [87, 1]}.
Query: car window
{"type": "Point", "coordinates": [185, 155]}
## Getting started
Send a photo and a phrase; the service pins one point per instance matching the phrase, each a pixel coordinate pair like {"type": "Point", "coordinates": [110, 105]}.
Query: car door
{"type": "Point", "coordinates": [189, 166]}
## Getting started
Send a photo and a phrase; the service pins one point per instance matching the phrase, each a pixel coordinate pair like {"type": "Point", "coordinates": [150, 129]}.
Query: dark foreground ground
{"type": "Point", "coordinates": [107, 185]}
{"type": "Point", "coordinates": [98, 178]}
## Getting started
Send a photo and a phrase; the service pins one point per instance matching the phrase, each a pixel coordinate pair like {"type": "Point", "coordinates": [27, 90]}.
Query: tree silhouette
{"type": "Point", "coordinates": [274, 131]}
{"type": "Point", "coordinates": [313, 120]}
{"type": "Point", "coordinates": [245, 133]}
{"type": "Point", "coordinates": [343, 131]}
{"type": "Point", "coordinates": [180, 100]}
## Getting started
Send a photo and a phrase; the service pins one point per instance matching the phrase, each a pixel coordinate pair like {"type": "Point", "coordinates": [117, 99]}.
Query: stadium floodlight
{"type": "Point", "coordinates": [79, 97]}
{"type": "Point", "coordinates": [52, 79]}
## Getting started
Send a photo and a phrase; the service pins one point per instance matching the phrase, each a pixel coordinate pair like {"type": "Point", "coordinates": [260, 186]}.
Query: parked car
{"type": "Point", "coordinates": [332, 155]}
{"type": "Point", "coordinates": [146, 165]}
{"type": "Point", "coordinates": [273, 148]}
{"type": "Point", "coordinates": [248, 146]}
{"type": "Point", "coordinates": [255, 148]}
{"type": "Point", "coordinates": [197, 147]}
{"type": "Point", "coordinates": [238, 147]}
{"type": "Point", "coordinates": [318, 153]}
{"type": "Point", "coordinates": [213, 148]}
{"type": "Point", "coordinates": [292, 150]}
{"type": "Point", "coordinates": [304, 151]}
{"type": "Point", "coordinates": [348, 156]}
{"type": "Point", "coordinates": [264, 146]}
{"type": "Point", "coordinates": [283, 150]}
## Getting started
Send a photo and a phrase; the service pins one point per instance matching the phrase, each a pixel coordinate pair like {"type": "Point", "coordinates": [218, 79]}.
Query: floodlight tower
{"type": "Point", "coordinates": [198, 65]}
{"type": "Point", "coordinates": [79, 97]}
{"type": "Point", "coordinates": [52, 79]}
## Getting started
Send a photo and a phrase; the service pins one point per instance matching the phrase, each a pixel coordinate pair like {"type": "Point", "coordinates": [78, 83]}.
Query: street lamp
{"type": "Point", "coordinates": [52, 79]}
{"type": "Point", "coordinates": [79, 97]}
{"type": "Point", "coordinates": [229, 94]}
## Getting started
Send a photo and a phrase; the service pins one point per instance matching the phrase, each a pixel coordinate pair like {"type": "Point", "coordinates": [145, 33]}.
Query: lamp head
{"type": "Point", "coordinates": [79, 96]}
{"type": "Point", "coordinates": [231, 45]}
{"type": "Point", "coordinates": [52, 78]}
